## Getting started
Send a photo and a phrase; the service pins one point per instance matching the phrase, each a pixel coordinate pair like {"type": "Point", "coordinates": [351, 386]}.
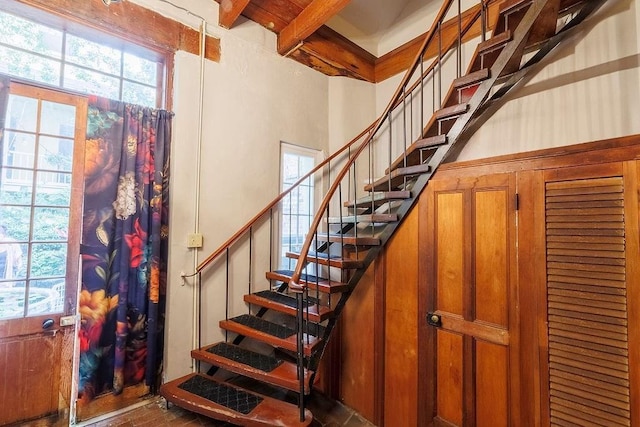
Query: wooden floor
{"type": "Point", "coordinates": [327, 413]}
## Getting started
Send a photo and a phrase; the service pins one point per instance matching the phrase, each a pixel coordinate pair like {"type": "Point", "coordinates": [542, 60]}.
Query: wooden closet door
{"type": "Point", "coordinates": [473, 301]}
{"type": "Point", "coordinates": [591, 243]}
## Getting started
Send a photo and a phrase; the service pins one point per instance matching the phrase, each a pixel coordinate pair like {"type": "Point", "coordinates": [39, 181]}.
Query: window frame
{"type": "Point", "coordinates": [127, 45]}
{"type": "Point", "coordinates": [316, 185]}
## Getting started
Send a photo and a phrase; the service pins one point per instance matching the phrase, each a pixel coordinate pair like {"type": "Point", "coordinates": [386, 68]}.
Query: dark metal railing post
{"type": "Point", "coordinates": [226, 308]}
{"type": "Point", "coordinates": [250, 262]}
{"type": "Point", "coordinates": [300, 346]}
{"type": "Point", "coordinates": [440, 64]}
{"type": "Point", "coordinates": [459, 53]}
{"type": "Point", "coordinates": [483, 19]}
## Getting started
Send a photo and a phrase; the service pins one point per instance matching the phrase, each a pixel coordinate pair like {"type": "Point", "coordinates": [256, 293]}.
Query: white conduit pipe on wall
{"type": "Point", "coordinates": [196, 217]}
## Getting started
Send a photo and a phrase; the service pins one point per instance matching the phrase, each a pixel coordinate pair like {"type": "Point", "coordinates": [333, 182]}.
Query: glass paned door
{"type": "Point", "coordinates": [42, 158]}
{"type": "Point", "coordinates": [35, 201]}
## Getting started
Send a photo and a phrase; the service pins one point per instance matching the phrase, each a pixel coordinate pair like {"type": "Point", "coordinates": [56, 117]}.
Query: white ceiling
{"type": "Point", "coordinates": [365, 21]}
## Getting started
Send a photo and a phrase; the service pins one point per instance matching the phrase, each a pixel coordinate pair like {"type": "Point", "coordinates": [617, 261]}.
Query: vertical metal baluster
{"type": "Point", "coordinates": [390, 143]}
{"type": "Point", "coordinates": [226, 313]}
{"type": "Point", "coordinates": [459, 57]}
{"type": "Point", "coordinates": [355, 212]}
{"type": "Point", "coordinates": [250, 261]}
{"type": "Point", "coordinates": [270, 240]}
{"type": "Point", "coordinates": [199, 343]}
{"type": "Point", "coordinates": [422, 96]}
{"type": "Point", "coordinates": [300, 355]}
{"type": "Point", "coordinates": [404, 122]}
{"type": "Point", "coordinates": [483, 19]}
{"type": "Point", "coordinates": [440, 64]}
{"type": "Point", "coordinates": [411, 112]}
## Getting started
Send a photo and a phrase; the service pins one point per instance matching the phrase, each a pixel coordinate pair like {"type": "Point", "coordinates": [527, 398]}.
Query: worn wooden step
{"type": "Point", "coordinates": [416, 152]}
{"type": "Point", "coordinates": [266, 368]}
{"type": "Point", "coordinates": [311, 282]}
{"type": "Point", "coordinates": [397, 178]}
{"type": "Point", "coordinates": [495, 42]}
{"type": "Point", "coordinates": [223, 401]}
{"type": "Point", "coordinates": [377, 199]}
{"type": "Point", "coordinates": [288, 304]}
{"type": "Point", "coordinates": [350, 239]}
{"type": "Point", "coordinates": [471, 78]}
{"type": "Point", "coordinates": [451, 112]}
{"type": "Point", "coordinates": [508, 7]}
{"type": "Point", "coordinates": [331, 261]}
{"type": "Point", "coordinates": [365, 218]}
{"type": "Point", "coordinates": [270, 333]}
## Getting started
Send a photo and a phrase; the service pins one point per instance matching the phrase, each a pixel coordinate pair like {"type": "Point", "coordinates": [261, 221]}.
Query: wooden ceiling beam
{"type": "Point", "coordinates": [309, 21]}
{"type": "Point", "coordinates": [230, 11]}
{"type": "Point", "coordinates": [332, 54]}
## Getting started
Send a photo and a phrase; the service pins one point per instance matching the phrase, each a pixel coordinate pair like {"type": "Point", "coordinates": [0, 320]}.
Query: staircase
{"type": "Point", "coordinates": [281, 339]}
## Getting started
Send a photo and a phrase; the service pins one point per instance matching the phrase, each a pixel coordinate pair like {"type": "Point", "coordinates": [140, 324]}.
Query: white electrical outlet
{"type": "Point", "coordinates": [194, 240]}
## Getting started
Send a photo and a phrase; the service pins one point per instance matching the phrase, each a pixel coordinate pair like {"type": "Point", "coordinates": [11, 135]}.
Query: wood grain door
{"type": "Point", "coordinates": [473, 301]}
{"type": "Point", "coordinates": [40, 202]}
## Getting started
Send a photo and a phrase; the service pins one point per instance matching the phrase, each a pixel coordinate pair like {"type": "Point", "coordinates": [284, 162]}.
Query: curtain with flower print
{"type": "Point", "coordinates": [124, 246]}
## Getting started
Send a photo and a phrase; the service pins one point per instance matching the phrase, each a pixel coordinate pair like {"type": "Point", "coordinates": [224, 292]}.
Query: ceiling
{"type": "Point", "coordinates": [335, 37]}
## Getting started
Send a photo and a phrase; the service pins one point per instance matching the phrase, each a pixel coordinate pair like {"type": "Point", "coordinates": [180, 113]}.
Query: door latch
{"type": "Point", "coordinates": [434, 320]}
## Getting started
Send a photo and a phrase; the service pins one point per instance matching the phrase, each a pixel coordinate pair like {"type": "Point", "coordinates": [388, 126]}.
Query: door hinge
{"type": "Point", "coordinates": [517, 201]}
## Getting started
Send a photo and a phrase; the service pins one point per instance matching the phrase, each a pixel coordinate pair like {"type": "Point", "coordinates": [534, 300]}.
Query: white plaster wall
{"type": "Point", "coordinates": [590, 90]}
{"type": "Point", "coordinates": [253, 99]}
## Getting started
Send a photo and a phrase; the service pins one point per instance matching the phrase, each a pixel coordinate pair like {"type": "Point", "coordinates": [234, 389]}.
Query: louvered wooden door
{"type": "Point", "coordinates": [590, 224]}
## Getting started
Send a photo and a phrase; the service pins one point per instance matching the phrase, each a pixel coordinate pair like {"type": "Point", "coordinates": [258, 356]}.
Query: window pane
{"type": "Point", "coordinates": [140, 69]}
{"type": "Point", "coordinates": [19, 150]}
{"type": "Point", "coordinates": [12, 265]}
{"type": "Point", "coordinates": [11, 299]}
{"type": "Point", "coordinates": [29, 66]}
{"type": "Point", "coordinates": [82, 80]}
{"type": "Point", "coordinates": [50, 224]}
{"type": "Point", "coordinates": [30, 36]}
{"type": "Point", "coordinates": [138, 94]}
{"type": "Point", "coordinates": [58, 119]}
{"type": "Point", "coordinates": [46, 296]}
{"type": "Point", "coordinates": [22, 113]}
{"type": "Point", "coordinates": [16, 186]}
{"type": "Point", "coordinates": [55, 154]}
{"type": "Point", "coordinates": [93, 55]}
{"type": "Point", "coordinates": [48, 260]}
{"type": "Point", "coordinates": [17, 220]}
{"type": "Point", "coordinates": [54, 189]}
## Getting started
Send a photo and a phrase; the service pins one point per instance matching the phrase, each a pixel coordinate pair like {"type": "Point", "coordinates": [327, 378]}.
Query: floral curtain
{"type": "Point", "coordinates": [124, 246]}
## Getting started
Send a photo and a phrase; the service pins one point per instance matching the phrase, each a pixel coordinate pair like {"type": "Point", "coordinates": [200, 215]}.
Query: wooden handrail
{"type": "Point", "coordinates": [215, 254]}
{"type": "Point", "coordinates": [398, 97]}
{"type": "Point", "coordinates": [294, 284]}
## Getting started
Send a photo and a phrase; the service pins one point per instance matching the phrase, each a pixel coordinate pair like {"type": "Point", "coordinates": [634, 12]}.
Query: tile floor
{"type": "Point", "coordinates": [327, 413]}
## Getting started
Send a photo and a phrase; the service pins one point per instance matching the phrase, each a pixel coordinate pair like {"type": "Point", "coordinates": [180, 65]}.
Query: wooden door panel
{"type": "Point", "coordinates": [449, 377]}
{"type": "Point", "coordinates": [492, 369]}
{"type": "Point", "coordinates": [450, 256]}
{"type": "Point", "coordinates": [491, 257]}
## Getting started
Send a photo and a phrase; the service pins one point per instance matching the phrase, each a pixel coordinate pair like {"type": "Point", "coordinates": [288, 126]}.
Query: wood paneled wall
{"type": "Point", "coordinates": [391, 357]}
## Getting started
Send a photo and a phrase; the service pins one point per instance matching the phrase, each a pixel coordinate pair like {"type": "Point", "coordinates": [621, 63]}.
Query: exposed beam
{"type": "Point", "coordinates": [310, 19]}
{"type": "Point", "coordinates": [230, 10]}
{"type": "Point", "coordinates": [125, 20]}
{"type": "Point", "coordinates": [334, 55]}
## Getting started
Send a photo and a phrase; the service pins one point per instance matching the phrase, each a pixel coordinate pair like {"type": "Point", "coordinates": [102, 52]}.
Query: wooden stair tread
{"type": "Point", "coordinates": [267, 411]}
{"type": "Point", "coordinates": [471, 78]}
{"type": "Point", "coordinates": [311, 282]}
{"type": "Point", "coordinates": [396, 177]}
{"type": "Point", "coordinates": [350, 240]}
{"type": "Point", "coordinates": [329, 261]}
{"type": "Point", "coordinates": [495, 42]}
{"type": "Point", "coordinates": [452, 111]}
{"type": "Point", "coordinates": [378, 198]}
{"type": "Point", "coordinates": [268, 332]}
{"type": "Point", "coordinates": [364, 218]}
{"type": "Point", "coordinates": [413, 151]}
{"type": "Point", "coordinates": [287, 304]}
{"type": "Point", "coordinates": [254, 365]}
{"type": "Point", "coordinates": [508, 7]}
